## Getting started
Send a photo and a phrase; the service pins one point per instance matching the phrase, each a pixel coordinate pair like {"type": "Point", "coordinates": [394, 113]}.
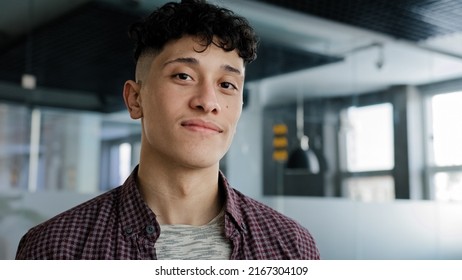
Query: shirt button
{"type": "Point", "coordinates": [128, 230]}
{"type": "Point", "coordinates": [150, 229]}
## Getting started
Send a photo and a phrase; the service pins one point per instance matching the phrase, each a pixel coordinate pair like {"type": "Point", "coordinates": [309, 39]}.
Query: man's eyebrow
{"type": "Point", "coordinates": [230, 68]}
{"type": "Point", "coordinates": [187, 60]}
{"type": "Point", "coordinates": [192, 60]}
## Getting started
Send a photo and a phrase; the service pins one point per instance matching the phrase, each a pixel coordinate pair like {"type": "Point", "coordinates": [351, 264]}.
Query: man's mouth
{"type": "Point", "coordinates": [201, 125]}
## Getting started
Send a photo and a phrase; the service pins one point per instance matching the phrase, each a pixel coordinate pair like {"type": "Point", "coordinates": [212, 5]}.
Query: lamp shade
{"type": "Point", "coordinates": [303, 159]}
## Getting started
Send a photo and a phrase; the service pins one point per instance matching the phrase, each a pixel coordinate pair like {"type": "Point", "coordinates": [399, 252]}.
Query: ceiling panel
{"type": "Point", "coordinates": [413, 20]}
{"type": "Point", "coordinates": [85, 50]}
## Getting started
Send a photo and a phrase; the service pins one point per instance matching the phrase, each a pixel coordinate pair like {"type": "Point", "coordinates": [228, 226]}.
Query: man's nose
{"type": "Point", "coordinates": [205, 98]}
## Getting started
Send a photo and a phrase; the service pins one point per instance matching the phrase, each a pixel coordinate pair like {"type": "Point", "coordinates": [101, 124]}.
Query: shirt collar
{"type": "Point", "coordinates": [233, 205]}
{"type": "Point", "coordinates": [135, 215]}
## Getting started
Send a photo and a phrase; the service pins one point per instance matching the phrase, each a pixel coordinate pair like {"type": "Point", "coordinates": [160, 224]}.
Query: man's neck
{"type": "Point", "coordinates": [181, 196]}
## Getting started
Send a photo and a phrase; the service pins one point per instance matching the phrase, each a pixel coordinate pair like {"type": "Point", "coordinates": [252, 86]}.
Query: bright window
{"type": "Point", "coordinates": [367, 156]}
{"type": "Point", "coordinates": [448, 186]}
{"type": "Point", "coordinates": [369, 138]}
{"type": "Point", "coordinates": [446, 155]}
{"type": "Point", "coordinates": [447, 128]}
{"type": "Point", "coordinates": [371, 188]}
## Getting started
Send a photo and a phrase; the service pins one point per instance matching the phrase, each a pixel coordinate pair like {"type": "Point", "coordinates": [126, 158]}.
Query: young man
{"type": "Point", "coordinates": [191, 59]}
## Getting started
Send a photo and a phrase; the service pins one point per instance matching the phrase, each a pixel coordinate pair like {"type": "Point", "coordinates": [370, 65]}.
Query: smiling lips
{"type": "Point", "coordinates": [200, 125]}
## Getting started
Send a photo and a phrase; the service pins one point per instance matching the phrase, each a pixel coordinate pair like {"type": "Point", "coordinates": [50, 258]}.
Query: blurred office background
{"type": "Point", "coordinates": [375, 86]}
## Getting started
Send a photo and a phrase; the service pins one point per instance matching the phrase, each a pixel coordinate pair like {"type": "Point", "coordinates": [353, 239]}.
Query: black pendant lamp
{"type": "Point", "coordinates": [302, 157]}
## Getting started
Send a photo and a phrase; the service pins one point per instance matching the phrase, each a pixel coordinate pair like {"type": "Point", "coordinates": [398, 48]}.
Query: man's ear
{"type": "Point", "coordinates": [132, 99]}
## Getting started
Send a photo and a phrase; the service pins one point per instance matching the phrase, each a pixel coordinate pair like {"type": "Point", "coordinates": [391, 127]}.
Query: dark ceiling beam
{"type": "Point", "coordinates": [47, 97]}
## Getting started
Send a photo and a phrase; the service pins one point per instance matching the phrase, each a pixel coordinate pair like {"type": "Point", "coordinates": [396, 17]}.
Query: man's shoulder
{"type": "Point", "coordinates": [68, 228]}
{"type": "Point", "coordinates": [259, 212]}
{"type": "Point", "coordinates": [83, 211]}
{"type": "Point", "coordinates": [272, 229]}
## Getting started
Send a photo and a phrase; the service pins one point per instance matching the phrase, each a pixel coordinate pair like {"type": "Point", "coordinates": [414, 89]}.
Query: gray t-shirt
{"type": "Point", "coordinates": [186, 242]}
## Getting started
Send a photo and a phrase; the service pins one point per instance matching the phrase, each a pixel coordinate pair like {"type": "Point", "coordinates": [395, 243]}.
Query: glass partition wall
{"type": "Point", "coordinates": [47, 149]}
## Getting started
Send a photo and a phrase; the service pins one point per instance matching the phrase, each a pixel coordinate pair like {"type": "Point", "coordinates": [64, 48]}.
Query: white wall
{"type": "Point", "coordinates": [244, 158]}
{"type": "Point", "coordinates": [403, 229]}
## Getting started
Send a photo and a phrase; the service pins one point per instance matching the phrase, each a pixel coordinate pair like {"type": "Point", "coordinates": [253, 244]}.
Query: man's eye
{"type": "Point", "coordinates": [182, 76]}
{"type": "Point", "coordinates": [228, 85]}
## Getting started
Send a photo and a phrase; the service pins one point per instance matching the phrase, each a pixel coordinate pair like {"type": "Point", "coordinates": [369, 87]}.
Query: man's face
{"type": "Point", "coordinates": [190, 103]}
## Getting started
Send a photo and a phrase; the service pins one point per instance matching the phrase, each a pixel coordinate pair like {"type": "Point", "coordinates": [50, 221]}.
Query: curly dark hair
{"type": "Point", "coordinates": [195, 18]}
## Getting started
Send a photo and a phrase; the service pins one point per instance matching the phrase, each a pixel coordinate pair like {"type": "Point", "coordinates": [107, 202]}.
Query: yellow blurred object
{"type": "Point", "coordinates": [280, 155]}
{"type": "Point", "coordinates": [280, 142]}
{"type": "Point", "coordinates": [279, 129]}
